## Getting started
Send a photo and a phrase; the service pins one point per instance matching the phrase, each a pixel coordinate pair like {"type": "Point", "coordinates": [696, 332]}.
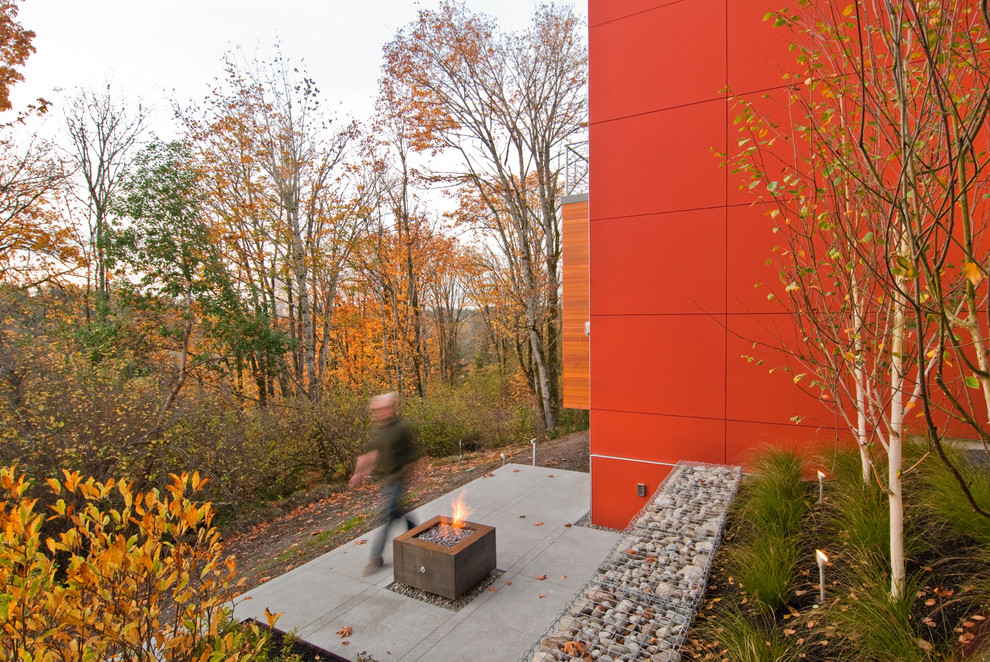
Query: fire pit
{"type": "Point", "coordinates": [445, 555]}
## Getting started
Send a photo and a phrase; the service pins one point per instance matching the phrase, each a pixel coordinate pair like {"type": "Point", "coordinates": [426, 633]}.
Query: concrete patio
{"type": "Point", "coordinates": [329, 593]}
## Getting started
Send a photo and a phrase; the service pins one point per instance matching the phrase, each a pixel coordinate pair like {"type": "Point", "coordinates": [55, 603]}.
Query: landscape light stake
{"type": "Point", "coordinates": [534, 451]}
{"type": "Point", "coordinates": [822, 560]}
{"type": "Point", "coordinates": [821, 488]}
{"type": "Point", "coordinates": [503, 459]}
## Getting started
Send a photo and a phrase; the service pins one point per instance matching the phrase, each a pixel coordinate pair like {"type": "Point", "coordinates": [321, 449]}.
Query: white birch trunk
{"type": "Point", "coordinates": [895, 496]}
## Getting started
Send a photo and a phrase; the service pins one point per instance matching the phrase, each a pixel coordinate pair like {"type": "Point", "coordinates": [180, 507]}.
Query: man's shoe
{"type": "Point", "coordinates": [373, 566]}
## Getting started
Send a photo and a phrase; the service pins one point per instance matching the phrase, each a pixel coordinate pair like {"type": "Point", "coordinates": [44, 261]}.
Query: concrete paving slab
{"type": "Point", "coordinates": [386, 625]}
{"type": "Point", "coordinates": [305, 595]}
{"type": "Point", "coordinates": [330, 592]}
{"type": "Point", "coordinates": [498, 642]}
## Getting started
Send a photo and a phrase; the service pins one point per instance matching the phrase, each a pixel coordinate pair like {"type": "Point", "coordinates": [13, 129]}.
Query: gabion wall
{"type": "Point", "coordinates": [640, 603]}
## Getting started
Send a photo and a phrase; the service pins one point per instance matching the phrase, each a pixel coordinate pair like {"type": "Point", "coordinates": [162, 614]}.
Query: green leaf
{"type": "Point", "coordinates": [972, 382]}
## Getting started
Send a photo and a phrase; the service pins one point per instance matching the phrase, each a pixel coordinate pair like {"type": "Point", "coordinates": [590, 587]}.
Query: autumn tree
{"type": "Point", "coordinates": [504, 104]}
{"type": "Point", "coordinates": [15, 48]}
{"type": "Point", "coordinates": [35, 242]}
{"type": "Point", "coordinates": [102, 132]}
{"type": "Point", "coordinates": [282, 193]}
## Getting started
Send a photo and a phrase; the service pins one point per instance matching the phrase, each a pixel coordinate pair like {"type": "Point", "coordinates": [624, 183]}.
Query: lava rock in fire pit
{"type": "Point", "coordinates": [445, 535]}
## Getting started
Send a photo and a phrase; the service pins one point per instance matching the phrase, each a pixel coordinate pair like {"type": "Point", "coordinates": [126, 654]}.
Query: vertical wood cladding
{"type": "Point", "coordinates": [576, 305]}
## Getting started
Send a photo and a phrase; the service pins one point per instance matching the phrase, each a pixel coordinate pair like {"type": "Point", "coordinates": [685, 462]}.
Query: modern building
{"type": "Point", "coordinates": [663, 255]}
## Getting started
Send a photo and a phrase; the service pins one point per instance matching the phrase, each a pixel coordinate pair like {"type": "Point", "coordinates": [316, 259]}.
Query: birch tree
{"type": "Point", "coordinates": [885, 258]}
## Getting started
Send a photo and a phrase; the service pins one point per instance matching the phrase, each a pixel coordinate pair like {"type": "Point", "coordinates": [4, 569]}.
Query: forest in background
{"type": "Point", "coordinates": [226, 302]}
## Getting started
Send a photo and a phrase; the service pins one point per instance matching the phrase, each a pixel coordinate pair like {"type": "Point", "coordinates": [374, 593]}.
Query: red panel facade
{"type": "Point", "coordinates": [677, 248]}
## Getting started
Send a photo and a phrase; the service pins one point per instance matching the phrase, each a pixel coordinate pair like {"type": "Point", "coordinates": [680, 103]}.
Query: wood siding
{"type": "Point", "coordinates": [576, 309]}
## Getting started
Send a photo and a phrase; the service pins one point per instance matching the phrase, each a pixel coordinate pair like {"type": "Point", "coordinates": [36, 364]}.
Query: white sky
{"type": "Point", "coordinates": [152, 49]}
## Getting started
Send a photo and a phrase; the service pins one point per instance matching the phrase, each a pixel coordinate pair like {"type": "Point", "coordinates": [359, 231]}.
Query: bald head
{"type": "Point", "coordinates": [384, 407]}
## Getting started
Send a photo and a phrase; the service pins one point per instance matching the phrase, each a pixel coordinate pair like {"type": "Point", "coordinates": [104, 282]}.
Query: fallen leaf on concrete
{"type": "Point", "coordinates": [543, 595]}
{"type": "Point", "coordinates": [345, 643]}
{"type": "Point", "coordinates": [345, 631]}
{"type": "Point", "coordinates": [360, 542]}
{"type": "Point", "coordinates": [538, 524]}
{"type": "Point", "coordinates": [541, 577]}
{"type": "Point", "coordinates": [549, 475]}
{"type": "Point", "coordinates": [508, 583]}
{"type": "Point", "coordinates": [492, 589]}
{"type": "Point", "coordinates": [489, 475]}
{"type": "Point", "coordinates": [563, 576]}
{"type": "Point", "coordinates": [515, 471]}
{"type": "Point", "coordinates": [568, 525]}
{"type": "Point", "coordinates": [522, 517]}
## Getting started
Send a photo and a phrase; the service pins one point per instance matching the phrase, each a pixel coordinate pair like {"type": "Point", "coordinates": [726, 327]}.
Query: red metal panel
{"type": "Point", "coordinates": [657, 438]}
{"type": "Point", "coordinates": [658, 162]}
{"type": "Point", "coordinates": [600, 11]}
{"type": "Point", "coordinates": [651, 42]}
{"type": "Point", "coordinates": [613, 489]}
{"type": "Point", "coordinates": [743, 440]}
{"type": "Point", "coordinates": [758, 51]}
{"type": "Point", "coordinates": [766, 391]}
{"type": "Point", "coordinates": [749, 278]}
{"type": "Point", "coordinates": [663, 364]}
{"type": "Point", "coordinates": [663, 263]}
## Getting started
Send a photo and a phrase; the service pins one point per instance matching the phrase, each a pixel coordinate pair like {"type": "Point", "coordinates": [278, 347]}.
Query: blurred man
{"type": "Point", "coordinates": [392, 452]}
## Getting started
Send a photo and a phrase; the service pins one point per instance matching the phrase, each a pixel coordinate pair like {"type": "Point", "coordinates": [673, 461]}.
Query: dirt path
{"type": "Point", "coordinates": [312, 528]}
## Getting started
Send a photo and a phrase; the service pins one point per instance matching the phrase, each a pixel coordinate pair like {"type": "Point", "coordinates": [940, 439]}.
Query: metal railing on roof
{"type": "Point", "coordinates": [576, 168]}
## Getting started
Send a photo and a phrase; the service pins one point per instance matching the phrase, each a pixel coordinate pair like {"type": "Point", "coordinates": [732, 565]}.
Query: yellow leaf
{"type": "Point", "coordinates": [849, 9]}
{"type": "Point", "coordinates": [973, 273]}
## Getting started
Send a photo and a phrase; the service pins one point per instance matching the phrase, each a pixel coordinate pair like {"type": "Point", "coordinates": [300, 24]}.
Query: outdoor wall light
{"type": "Point", "coordinates": [822, 560]}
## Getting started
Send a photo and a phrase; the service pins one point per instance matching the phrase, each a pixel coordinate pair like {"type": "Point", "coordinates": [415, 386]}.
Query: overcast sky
{"type": "Point", "coordinates": [151, 49]}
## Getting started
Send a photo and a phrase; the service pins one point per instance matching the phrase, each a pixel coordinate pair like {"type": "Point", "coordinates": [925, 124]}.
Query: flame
{"type": "Point", "coordinates": [821, 556]}
{"type": "Point", "coordinates": [460, 512]}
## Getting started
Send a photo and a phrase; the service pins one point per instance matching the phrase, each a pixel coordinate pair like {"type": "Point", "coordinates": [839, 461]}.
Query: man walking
{"type": "Point", "coordinates": [392, 452]}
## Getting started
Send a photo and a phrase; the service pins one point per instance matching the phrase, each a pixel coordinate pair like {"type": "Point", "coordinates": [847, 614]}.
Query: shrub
{"type": "Point", "coordinates": [143, 581]}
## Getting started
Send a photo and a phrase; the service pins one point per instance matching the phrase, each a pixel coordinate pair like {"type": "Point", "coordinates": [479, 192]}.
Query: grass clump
{"type": "Point", "coordinates": [883, 628]}
{"type": "Point", "coordinates": [945, 500]}
{"type": "Point", "coordinates": [751, 638]}
{"type": "Point", "coordinates": [774, 504]}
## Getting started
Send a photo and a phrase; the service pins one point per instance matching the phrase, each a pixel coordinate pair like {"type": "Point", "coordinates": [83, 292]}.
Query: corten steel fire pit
{"type": "Point", "coordinates": [447, 571]}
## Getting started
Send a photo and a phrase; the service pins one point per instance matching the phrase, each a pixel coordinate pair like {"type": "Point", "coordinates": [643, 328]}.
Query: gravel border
{"type": "Point", "coordinates": [640, 603]}
{"type": "Point", "coordinates": [446, 603]}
